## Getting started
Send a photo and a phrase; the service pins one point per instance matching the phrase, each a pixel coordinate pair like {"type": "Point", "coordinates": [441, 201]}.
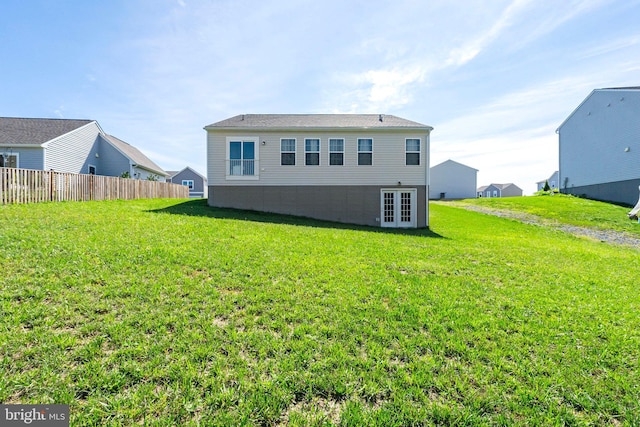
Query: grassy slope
{"type": "Point", "coordinates": [566, 209]}
{"type": "Point", "coordinates": [181, 314]}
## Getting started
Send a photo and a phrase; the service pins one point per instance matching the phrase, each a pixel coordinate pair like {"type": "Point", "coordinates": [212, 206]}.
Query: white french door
{"type": "Point", "coordinates": [398, 207]}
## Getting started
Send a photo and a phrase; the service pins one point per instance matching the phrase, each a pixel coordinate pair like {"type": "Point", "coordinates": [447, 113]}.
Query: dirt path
{"type": "Point", "coordinates": [605, 236]}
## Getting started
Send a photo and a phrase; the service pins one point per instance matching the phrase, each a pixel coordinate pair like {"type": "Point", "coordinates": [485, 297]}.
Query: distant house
{"type": "Point", "coordinates": [74, 146]}
{"type": "Point", "coordinates": [452, 180]}
{"type": "Point", "coordinates": [600, 146]}
{"type": "Point", "coordinates": [197, 183]}
{"type": "Point", "coordinates": [366, 169]}
{"type": "Point", "coordinates": [553, 181]}
{"type": "Point", "coordinates": [499, 190]}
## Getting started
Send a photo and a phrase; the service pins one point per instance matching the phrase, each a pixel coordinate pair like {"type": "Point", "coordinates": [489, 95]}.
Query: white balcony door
{"type": "Point", "coordinates": [398, 207]}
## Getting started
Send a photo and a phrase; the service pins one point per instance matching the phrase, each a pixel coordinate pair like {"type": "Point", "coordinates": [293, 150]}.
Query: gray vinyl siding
{"type": "Point", "coordinates": [73, 151]}
{"type": "Point", "coordinates": [112, 161]}
{"type": "Point", "coordinates": [455, 180]}
{"type": "Point", "coordinates": [594, 139]}
{"type": "Point", "coordinates": [388, 159]}
{"type": "Point", "coordinates": [198, 183]}
{"type": "Point", "coordinates": [29, 157]}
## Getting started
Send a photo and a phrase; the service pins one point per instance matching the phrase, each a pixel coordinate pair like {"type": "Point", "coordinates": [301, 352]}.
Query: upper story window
{"type": "Point", "coordinates": [188, 183]}
{"type": "Point", "coordinates": [336, 151]}
{"type": "Point", "coordinates": [412, 150]}
{"type": "Point", "coordinates": [8, 160]}
{"type": "Point", "coordinates": [312, 152]}
{"type": "Point", "coordinates": [242, 158]}
{"type": "Point", "coordinates": [287, 151]}
{"type": "Point", "coordinates": [365, 151]}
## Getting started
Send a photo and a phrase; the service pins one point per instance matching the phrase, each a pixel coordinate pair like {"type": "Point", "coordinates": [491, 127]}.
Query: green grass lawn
{"type": "Point", "coordinates": [565, 209]}
{"type": "Point", "coordinates": [168, 312]}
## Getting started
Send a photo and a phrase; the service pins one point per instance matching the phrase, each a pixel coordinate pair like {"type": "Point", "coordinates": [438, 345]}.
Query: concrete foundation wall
{"type": "Point", "coordinates": [347, 204]}
{"type": "Point", "coordinates": [619, 192]}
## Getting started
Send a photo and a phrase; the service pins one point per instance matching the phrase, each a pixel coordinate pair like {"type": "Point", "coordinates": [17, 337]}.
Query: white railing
{"type": "Point", "coordinates": [242, 167]}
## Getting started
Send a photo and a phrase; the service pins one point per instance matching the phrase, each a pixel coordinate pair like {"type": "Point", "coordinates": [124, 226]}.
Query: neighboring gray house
{"type": "Point", "coordinates": [197, 183]}
{"type": "Point", "coordinates": [369, 169]}
{"type": "Point", "coordinates": [74, 146]}
{"type": "Point", "coordinates": [499, 190]}
{"type": "Point", "coordinates": [452, 180]}
{"type": "Point", "coordinates": [600, 146]}
{"type": "Point", "coordinates": [553, 181]}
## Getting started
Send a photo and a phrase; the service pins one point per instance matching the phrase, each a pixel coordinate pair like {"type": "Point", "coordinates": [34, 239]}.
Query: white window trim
{"type": "Point", "coordinates": [256, 152]}
{"type": "Point", "coordinates": [373, 143]}
{"type": "Point", "coordinates": [344, 143]}
{"type": "Point", "coordinates": [295, 152]}
{"type": "Point", "coordinates": [310, 152]}
{"type": "Point", "coordinates": [16, 155]}
{"type": "Point", "coordinates": [95, 168]}
{"type": "Point", "coordinates": [413, 152]}
{"type": "Point", "coordinates": [187, 181]}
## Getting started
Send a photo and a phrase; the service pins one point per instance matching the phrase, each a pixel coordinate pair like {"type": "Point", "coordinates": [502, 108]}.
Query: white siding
{"type": "Point", "coordinates": [456, 180]}
{"type": "Point", "coordinates": [594, 138]}
{"type": "Point", "coordinates": [73, 152]}
{"type": "Point", "coordinates": [388, 159]}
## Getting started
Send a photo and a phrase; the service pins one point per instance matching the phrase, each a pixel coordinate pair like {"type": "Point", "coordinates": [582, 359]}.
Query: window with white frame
{"type": "Point", "coordinates": [365, 151]}
{"type": "Point", "coordinates": [188, 183]}
{"type": "Point", "coordinates": [336, 151]}
{"type": "Point", "coordinates": [288, 151]}
{"type": "Point", "coordinates": [312, 152]}
{"type": "Point", "coordinates": [412, 151]}
{"type": "Point", "coordinates": [242, 158]}
{"type": "Point", "coordinates": [8, 160]}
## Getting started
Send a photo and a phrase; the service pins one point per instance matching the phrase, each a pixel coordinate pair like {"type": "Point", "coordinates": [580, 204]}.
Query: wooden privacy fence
{"type": "Point", "coordinates": [33, 186]}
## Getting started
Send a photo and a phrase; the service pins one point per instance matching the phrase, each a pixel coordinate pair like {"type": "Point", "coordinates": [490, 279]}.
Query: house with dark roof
{"type": "Point", "coordinates": [73, 146]}
{"type": "Point", "coordinates": [599, 146]}
{"type": "Point", "coordinates": [452, 180]}
{"type": "Point", "coordinates": [196, 182]}
{"type": "Point", "coordinates": [500, 190]}
{"type": "Point", "coordinates": [369, 169]}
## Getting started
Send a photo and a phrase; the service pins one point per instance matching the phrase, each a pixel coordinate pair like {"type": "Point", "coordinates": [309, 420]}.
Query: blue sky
{"type": "Point", "coordinates": [494, 78]}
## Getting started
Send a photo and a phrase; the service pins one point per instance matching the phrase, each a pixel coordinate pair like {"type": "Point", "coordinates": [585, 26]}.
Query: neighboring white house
{"type": "Point", "coordinates": [191, 178]}
{"type": "Point", "coordinates": [499, 190]}
{"type": "Point", "coordinates": [452, 180]}
{"type": "Point", "coordinates": [369, 169]}
{"type": "Point", "coordinates": [600, 146]}
{"type": "Point", "coordinates": [74, 146]}
{"type": "Point", "coordinates": [553, 181]}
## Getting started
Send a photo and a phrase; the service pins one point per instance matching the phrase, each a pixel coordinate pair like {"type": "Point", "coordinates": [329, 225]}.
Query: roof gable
{"type": "Point", "coordinates": [635, 90]}
{"type": "Point", "coordinates": [453, 163]}
{"type": "Point", "coordinates": [135, 155]}
{"type": "Point", "coordinates": [25, 131]}
{"type": "Point", "coordinates": [316, 121]}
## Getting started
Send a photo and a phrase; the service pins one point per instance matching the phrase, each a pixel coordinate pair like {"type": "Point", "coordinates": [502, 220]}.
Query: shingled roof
{"type": "Point", "coordinates": [316, 121]}
{"type": "Point", "coordinates": [23, 131]}
{"type": "Point", "coordinates": [135, 155]}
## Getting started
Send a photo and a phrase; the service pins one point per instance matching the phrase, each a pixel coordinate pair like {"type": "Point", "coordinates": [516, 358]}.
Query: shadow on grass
{"type": "Point", "coordinates": [202, 209]}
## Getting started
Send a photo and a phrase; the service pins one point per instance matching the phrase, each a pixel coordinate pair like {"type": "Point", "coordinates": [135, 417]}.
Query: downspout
{"type": "Point", "coordinates": [427, 175]}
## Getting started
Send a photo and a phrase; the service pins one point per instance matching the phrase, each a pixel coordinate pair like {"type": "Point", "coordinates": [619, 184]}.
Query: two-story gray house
{"type": "Point", "coordinates": [72, 146]}
{"type": "Point", "coordinates": [369, 169]}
